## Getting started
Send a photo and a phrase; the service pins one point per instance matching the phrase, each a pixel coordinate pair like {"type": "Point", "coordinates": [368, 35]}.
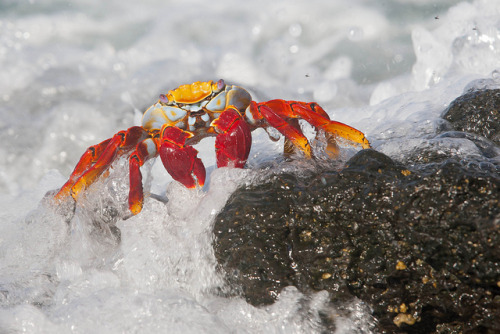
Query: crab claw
{"type": "Point", "coordinates": [181, 161]}
{"type": "Point", "coordinates": [233, 142]}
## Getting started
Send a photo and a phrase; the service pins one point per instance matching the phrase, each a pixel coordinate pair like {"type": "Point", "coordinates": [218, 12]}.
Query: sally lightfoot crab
{"type": "Point", "coordinates": [189, 113]}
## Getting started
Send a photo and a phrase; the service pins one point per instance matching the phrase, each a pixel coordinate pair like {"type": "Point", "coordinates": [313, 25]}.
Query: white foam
{"type": "Point", "coordinates": [73, 75]}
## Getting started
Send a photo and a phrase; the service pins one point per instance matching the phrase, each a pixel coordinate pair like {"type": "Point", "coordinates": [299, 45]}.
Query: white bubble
{"type": "Point", "coordinates": [295, 30]}
{"type": "Point", "coordinates": [72, 77]}
{"type": "Point", "coordinates": [294, 48]}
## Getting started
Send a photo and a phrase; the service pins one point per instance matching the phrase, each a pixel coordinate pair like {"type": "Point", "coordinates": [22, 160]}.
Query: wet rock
{"type": "Point", "coordinates": [420, 246]}
{"type": "Point", "coordinates": [477, 112]}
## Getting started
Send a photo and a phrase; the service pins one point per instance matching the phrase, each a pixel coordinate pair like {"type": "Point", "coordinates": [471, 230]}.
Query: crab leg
{"type": "Point", "coordinates": [324, 123]}
{"type": "Point", "coordinates": [144, 151]}
{"type": "Point", "coordinates": [86, 161]}
{"type": "Point", "coordinates": [121, 140]}
{"type": "Point", "coordinates": [234, 139]}
{"type": "Point", "coordinates": [316, 116]}
{"type": "Point", "coordinates": [275, 117]}
{"type": "Point", "coordinates": [180, 160]}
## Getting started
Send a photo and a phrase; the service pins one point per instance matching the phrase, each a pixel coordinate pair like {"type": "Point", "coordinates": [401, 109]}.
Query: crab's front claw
{"type": "Point", "coordinates": [234, 139]}
{"type": "Point", "coordinates": [180, 160]}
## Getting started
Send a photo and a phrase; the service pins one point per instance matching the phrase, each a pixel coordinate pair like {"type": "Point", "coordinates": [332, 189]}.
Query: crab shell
{"type": "Point", "coordinates": [187, 114]}
{"type": "Point", "coordinates": [194, 107]}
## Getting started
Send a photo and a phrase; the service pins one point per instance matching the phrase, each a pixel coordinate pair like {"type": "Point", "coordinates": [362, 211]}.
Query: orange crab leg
{"type": "Point", "coordinates": [316, 116]}
{"type": "Point", "coordinates": [234, 139]}
{"type": "Point", "coordinates": [180, 160]}
{"type": "Point", "coordinates": [121, 140]}
{"type": "Point", "coordinates": [324, 123]}
{"type": "Point", "coordinates": [274, 116]}
{"type": "Point", "coordinates": [86, 161]}
{"type": "Point", "coordinates": [144, 151]}
{"type": "Point", "coordinates": [332, 148]}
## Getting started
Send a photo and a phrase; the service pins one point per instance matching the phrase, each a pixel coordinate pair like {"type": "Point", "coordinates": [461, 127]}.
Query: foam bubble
{"type": "Point", "coordinates": [73, 75]}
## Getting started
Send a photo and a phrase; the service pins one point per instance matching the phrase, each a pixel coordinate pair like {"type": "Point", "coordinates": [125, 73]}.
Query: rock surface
{"type": "Point", "coordinates": [419, 244]}
{"type": "Point", "coordinates": [477, 112]}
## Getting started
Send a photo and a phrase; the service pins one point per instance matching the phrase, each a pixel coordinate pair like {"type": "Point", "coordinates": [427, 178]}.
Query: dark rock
{"type": "Point", "coordinates": [419, 246]}
{"type": "Point", "coordinates": [477, 112]}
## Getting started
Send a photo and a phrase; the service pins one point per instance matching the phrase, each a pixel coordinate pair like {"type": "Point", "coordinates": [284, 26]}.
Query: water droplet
{"type": "Point", "coordinates": [356, 34]}
{"type": "Point", "coordinates": [295, 29]}
{"type": "Point", "coordinates": [256, 30]}
{"type": "Point", "coordinates": [496, 75]}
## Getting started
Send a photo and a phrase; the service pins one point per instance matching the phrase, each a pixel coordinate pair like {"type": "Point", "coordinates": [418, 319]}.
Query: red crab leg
{"type": "Point", "coordinates": [234, 139]}
{"type": "Point", "coordinates": [86, 161]}
{"type": "Point", "coordinates": [180, 160]}
{"type": "Point", "coordinates": [275, 117]}
{"type": "Point", "coordinates": [121, 140]}
{"type": "Point", "coordinates": [144, 151]}
{"type": "Point", "coordinates": [319, 119]}
{"type": "Point", "coordinates": [316, 116]}
{"type": "Point", "coordinates": [324, 123]}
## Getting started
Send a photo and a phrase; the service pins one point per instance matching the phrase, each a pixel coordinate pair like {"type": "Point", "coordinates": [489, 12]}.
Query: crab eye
{"type": "Point", "coordinates": [164, 99]}
{"type": "Point", "coordinates": [220, 85]}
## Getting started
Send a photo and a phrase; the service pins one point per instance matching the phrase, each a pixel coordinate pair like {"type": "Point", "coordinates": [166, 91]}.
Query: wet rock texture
{"type": "Point", "coordinates": [419, 245]}
{"type": "Point", "coordinates": [477, 112]}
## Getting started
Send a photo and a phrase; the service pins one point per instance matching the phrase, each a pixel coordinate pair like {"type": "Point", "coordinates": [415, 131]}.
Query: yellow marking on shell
{"type": "Point", "coordinates": [192, 93]}
{"type": "Point", "coordinates": [157, 115]}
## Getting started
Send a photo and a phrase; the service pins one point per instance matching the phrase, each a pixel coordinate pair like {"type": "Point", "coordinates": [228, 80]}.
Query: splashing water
{"type": "Point", "coordinates": [74, 73]}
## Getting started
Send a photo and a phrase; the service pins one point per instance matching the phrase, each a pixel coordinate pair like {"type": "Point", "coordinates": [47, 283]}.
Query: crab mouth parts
{"type": "Point", "coordinates": [197, 113]}
{"type": "Point", "coordinates": [198, 120]}
{"type": "Point", "coordinates": [194, 107]}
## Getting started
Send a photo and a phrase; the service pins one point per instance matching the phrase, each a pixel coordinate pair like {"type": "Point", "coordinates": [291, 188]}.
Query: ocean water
{"type": "Point", "coordinates": [76, 72]}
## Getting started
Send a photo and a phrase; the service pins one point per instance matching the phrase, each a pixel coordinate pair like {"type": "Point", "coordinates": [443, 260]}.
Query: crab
{"type": "Point", "coordinates": [189, 113]}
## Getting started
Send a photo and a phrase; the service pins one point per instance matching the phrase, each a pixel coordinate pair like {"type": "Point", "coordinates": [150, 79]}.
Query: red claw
{"type": "Point", "coordinates": [234, 139]}
{"type": "Point", "coordinates": [190, 113]}
{"type": "Point", "coordinates": [181, 161]}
